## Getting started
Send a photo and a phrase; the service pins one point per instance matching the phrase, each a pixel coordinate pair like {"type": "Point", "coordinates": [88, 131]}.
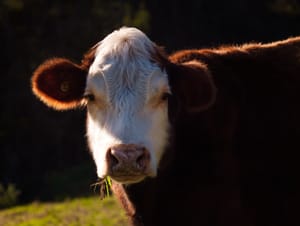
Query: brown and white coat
{"type": "Point", "coordinates": [200, 137]}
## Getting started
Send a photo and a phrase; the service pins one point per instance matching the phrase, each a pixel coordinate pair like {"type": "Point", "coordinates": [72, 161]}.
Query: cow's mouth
{"type": "Point", "coordinates": [125, 174]}
{"type": "Point", "coordinates": [128, 179]}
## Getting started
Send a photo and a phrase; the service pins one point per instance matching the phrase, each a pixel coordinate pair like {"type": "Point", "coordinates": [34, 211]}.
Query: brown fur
{"type": "Point", "coordinates": [201, 91]}
{"type": "Point", "coordinates": [59, 83]}
{"type": "Point", "coordinates": [89, 58]}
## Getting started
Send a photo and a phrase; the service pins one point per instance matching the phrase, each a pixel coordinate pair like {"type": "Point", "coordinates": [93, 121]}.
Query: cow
{"type": "Point", "coordinates": [204, 137]}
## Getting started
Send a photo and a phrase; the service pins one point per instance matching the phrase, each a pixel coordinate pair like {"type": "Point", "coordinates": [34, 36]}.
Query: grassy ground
{"type": "Point", "coordinates": [76, 212]}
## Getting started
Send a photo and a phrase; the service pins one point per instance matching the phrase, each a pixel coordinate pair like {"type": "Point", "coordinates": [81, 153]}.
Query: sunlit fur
{"type": "Point", "coordinates": [127, 84]}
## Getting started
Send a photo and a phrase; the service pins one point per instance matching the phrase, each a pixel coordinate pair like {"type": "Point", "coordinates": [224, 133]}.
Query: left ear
{"type": "Point", "coordinates": [193, 84]}
{"type": "Point", "coordinates": [59, 83]}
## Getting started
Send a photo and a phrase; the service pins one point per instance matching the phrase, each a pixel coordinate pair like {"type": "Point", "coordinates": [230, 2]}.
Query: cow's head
{"type": "Point", "coordinates": [125, 82]}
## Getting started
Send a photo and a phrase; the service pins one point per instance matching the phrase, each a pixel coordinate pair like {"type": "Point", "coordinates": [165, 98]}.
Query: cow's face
{"type": "Point", "coordinates": [126, 90]}
{"type": "Point", "coordinates": [127, 122]}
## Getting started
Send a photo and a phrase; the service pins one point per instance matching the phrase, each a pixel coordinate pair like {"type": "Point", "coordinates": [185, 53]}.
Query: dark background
{"type": "Point", "coordinates": [43, 152]}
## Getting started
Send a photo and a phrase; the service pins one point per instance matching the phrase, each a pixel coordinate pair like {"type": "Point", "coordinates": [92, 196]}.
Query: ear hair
{"type": "Point", "coordinates": [59, 83]}
{"type": "Point", "coordinates": [193, 84]}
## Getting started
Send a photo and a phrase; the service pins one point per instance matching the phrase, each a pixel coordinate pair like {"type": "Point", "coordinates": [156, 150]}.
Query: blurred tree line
{"type": "Point", "coordinates": [43, 152]}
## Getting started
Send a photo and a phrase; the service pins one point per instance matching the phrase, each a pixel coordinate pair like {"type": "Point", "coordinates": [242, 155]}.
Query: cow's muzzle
{"type": "Point", "coordinates": [128, 163]}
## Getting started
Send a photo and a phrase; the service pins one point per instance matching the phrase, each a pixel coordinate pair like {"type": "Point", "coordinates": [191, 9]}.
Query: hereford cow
{"type": "Point", "coordinates": [200, 137]}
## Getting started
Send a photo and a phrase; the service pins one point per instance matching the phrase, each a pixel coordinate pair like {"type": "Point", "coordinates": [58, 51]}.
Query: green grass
{"type": "Point", "coordinates": [89, 211]}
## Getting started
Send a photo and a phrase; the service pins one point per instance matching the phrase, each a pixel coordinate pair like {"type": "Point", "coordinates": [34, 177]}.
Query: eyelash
{"type": "Point", "coordinates": [165, 96]}
{"type": "Point", "coordinates": [89, 97]}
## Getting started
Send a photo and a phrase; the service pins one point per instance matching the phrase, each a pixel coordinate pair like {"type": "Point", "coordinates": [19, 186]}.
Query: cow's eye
{"type": "Point", "coordinates": [89, 97]}
{"type": "Point", "coordinates": [165, 96]}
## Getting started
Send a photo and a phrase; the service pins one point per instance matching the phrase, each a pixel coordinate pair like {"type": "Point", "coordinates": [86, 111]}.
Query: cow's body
{"type": "Point", "coordinates": [246, 169]}
{"type": "Point", "coordinates": [234, 162]}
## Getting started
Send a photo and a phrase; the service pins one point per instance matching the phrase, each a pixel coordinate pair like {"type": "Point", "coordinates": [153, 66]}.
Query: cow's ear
{"type": "Point", "coordinates": [59, 83]}
{"type": "Point", "coordinates": [193, 84]}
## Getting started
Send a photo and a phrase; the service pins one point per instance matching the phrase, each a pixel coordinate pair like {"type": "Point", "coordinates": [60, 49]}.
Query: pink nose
{"type": "Point", "coordinates": [128, 159]}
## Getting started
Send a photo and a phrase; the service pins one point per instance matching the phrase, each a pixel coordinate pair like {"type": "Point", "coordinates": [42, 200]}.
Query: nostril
{"type": "Point", "coordinates": [141, 160]}
{"type": "Point", "coordinates": [113, 159]}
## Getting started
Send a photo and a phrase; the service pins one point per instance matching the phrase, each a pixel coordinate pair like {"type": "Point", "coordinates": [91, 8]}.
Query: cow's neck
{"type": "Point", "coordinates": [188, 174]}
{"type": "Point", "coordinates": [174, 186]}
{"type": "Point", "coordinates": [133, 199]}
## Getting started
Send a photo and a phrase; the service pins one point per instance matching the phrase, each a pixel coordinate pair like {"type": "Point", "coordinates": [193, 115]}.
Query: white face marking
{"type": "Point", "coordinates": [127, 86]}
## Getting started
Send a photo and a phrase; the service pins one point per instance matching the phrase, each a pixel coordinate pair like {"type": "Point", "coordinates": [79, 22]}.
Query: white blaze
{"type": "Point", "coordinates": [126, 83]}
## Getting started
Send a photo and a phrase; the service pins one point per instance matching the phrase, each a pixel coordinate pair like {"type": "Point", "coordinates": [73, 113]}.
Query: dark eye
{"type": "Point", "coordinates": [165, 96]}
{"type": "Point", "coordinates": [89, 97]}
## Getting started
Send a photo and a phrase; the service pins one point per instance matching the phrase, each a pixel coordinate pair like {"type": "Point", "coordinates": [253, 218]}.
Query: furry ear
{"type": "Point", "coordinates": [193, 84]}
{"type": "Point", "coordinates": [59, 83]}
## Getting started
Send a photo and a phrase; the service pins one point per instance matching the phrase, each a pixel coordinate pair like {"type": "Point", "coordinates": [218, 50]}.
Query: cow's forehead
{"type": "Point", "coordinates": [124, 49]}
{"type": "Point", "coordinates": [124, 65]}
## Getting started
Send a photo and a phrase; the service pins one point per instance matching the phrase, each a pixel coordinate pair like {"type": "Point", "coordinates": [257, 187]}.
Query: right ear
{"type": "Point", "coordinates": [193, 84]}
{"type": "Point", "coordinates": [59, 83]}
